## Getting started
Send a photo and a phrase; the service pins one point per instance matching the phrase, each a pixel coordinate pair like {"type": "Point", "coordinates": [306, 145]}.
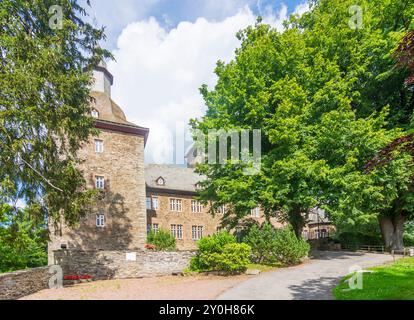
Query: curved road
{"type": "Point", "coordinates": [313, 280]}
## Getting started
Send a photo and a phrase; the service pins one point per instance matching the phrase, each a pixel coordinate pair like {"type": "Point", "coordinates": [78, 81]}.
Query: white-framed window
{"type": "Point", "coordinates": [94, 113]}
{"type": "Point", "coordinates": [152, 227]}
{"type": "Point", "coordinates": [98, 146]}
{"type": "Point", "coordinates": [177, 231]}
{"type": "Point", "coordinates": [100, 220]}
{"type": "Point", "coordinates": [154, 203]}
{"type": "Point", "coordinates": [99, 182]}
{"type": "Point", "coordinates": [148, 203]}
{"type": "Point", "coordinates": [221, 209]}
{"type": "Point", "coordinates": [160, 181]}
{"type": "Point", "coordinates": [175, 205]}
{"type": "Point", "coordinates": [196, 206]}
{"type": "Point", "coordinates": [255, 213]}
{"type": "Point", "coordinates": [197, 232]}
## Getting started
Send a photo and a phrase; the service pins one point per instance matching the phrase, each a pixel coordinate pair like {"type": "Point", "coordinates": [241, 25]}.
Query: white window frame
{"type": "Point", "coordinates": [95, 113]}
{"type": "Point", "coordinates": [255, 212]}
{"type": "Point", "coordinates": [100, 182]}
{"type": "Point", "coordinates": [155, 227]}
{"type": "Point", "coordinates": [99, 147]}
{"type": "Point", "coordinates": [148, 203]}
{"type": "Point", "coordinates": [176, 204]}
{"type": "Point", "coordinates": [221, 209]}
{"type": "Point", "coordinates": [177, 231]}
{"type": "Point", "coordinates": [100, 220]}
{"type": "Point", "coordinates": [154, 203]}
{"type": "Point", "coordinates": [196, 206]}
{"type": "Point", "coordinates": [197, 232]}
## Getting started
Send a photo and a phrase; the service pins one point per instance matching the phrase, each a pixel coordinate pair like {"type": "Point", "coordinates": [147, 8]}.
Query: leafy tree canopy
{"type": "Point", "coordinates": [327, 98]}
{"type": "Point", "coordinates": [45, 76]}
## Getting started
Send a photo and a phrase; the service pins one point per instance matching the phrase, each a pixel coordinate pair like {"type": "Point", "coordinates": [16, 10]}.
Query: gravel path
{"type": "Point", "coordinates": [160, 288]}
{"type": "Point", "coordinates": [313, 280]}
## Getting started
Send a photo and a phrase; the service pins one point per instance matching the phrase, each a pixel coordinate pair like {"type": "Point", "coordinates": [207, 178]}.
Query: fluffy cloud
{"type": "Point", "coordinates": [158, 71]}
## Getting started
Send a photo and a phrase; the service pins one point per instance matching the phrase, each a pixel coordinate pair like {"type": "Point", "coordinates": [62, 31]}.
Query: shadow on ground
{"type": "Point", "coordinates": [315, 289]}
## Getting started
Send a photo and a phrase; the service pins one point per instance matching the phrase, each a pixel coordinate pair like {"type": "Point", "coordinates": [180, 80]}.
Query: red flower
{"type": "Point", "coordinates": [150, 246]}
{"type": "Point", "coordinates": [71, 277]}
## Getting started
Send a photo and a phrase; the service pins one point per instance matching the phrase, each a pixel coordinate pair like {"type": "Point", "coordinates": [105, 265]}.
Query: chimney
{"type": "Point", "coordinates": [103, 79]}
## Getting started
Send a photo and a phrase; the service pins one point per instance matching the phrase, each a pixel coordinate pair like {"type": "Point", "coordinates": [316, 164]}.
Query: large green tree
{"type": "Point", "coordinates": [47, 53]}
{"type": "Point", "coordinates": [327, 97]}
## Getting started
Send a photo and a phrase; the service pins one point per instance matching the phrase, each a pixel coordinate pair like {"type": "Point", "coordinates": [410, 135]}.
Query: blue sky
{"type": "Point", "coordinates": [115, 15]}
{"type": "Point", "coordinates": [166, 49]}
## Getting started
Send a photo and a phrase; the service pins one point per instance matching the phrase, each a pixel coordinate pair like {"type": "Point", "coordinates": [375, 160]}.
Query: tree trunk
{"type": "Point", "coordinates": [297, 221]}
{"type": "Point", "coordinates": [392, 229]}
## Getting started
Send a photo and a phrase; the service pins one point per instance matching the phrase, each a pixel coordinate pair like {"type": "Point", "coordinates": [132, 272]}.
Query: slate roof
{"type": "Point", "coordinates": [176, 178]}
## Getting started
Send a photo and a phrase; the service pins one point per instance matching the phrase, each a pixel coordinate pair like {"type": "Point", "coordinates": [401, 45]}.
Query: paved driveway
{"type": "Point", "coordinates": [313, 280]}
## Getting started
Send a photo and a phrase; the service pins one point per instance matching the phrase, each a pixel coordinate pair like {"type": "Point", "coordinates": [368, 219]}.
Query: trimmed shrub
{"type": "Point", "coordinates": [287, 248]}
{"type": "Point", "coordinates": [220, 252]}
{"type": "Point", "coordinates": [163, 240]}
{"type": "Point", "coordinates": [270, 245]}
{"type": "Point", "coordinates": [261, 242]}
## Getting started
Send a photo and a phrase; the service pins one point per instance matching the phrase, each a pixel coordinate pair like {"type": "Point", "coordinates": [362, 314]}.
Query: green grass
{"type": "Point", "coordinates": [262, 267]}
{"type": "Point", "coordinates": [389, 282]}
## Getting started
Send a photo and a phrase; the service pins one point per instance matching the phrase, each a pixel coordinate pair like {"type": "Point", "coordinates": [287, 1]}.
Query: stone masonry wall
{"type": "Point", "coordinates": [114, 265]}
{"type": "Point", "coordinates": [123, 203]}
{"type": "Point", "coordinates": [18, 284]}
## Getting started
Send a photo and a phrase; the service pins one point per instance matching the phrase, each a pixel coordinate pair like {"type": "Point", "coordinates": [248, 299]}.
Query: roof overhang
{"type": "Point", "coordinates": [124, 128]}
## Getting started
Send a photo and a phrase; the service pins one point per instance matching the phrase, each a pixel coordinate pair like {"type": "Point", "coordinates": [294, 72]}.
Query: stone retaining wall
{"type": "Point", "coordinates": [122, 264]}
{"type": "Point", "coordinates": [18, 284]}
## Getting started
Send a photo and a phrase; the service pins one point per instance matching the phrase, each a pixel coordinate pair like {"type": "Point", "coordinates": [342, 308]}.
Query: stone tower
{"type": "Point", "coordinates": [114, 163]}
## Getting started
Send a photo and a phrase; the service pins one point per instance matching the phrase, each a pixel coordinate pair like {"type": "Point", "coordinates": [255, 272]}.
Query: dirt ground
{"type": "Point", "coordinates": [200, 287]}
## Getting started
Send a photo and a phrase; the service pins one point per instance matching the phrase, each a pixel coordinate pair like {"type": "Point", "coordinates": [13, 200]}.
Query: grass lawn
{"type": "Point", "coordinates": [389, 282]}
{"type": "Point", "coordinates": [263, 267]}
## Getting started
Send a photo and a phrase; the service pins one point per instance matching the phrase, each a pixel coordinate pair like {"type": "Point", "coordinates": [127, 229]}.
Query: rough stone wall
{"type": "Point", "coordinates": [165, 218]}
{"type": "Point", "coordinates": [18, 284]}
{"type": "Point", "coordinates": [122, 166]}
{"type": "Point", "coordinates": [114, 265]}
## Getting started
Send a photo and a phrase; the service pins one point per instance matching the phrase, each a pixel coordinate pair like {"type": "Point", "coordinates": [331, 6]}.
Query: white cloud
{"type": "Point", "coordinates": [301, 8]}
{"type": "Point", "coordinates": [158, 72]}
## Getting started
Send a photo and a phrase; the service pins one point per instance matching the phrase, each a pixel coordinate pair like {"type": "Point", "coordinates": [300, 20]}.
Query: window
{"type": "Point", "coordinates": [255, 213]}
{"type": "Point", "coordinates": [175, 205]}
{"type": "Point", "coordinates": [95, 113]}
{"type": "Point", "coordinates": [148, 203]}
{"type": "Point", "coordinates": [98, 146]}
{"type": "Point", "coordinates": [196, 206]}
{"type": "Point", "coordinates": [197, 232]}
{"type": "Point", "coordinates": [221, 209]}
{"type": "Point", "coordinates": [160, 181]}
{"type": "Point", "coordinates": [152, 227]}
{"type": "Point", "coordinates": [100, 182]}
{"type": "Point", "coordinates": [177, 231]}
{"type": "Point", "coordinates": [100, 220]}
{"type": "Point", "coordinates": [154, 203]}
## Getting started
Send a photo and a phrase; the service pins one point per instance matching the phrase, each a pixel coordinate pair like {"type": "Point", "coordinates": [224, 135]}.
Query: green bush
{"type": "Point", "coordinates": [270, 245]}
{"type": "Point", "coordinates": [287, 248]}
{"type": "Point", "coordinates": [220, 252]}
{"type": "Point", "coordinates": [261, 242]}
{"type": "Point", "coordinates": [163, 240]}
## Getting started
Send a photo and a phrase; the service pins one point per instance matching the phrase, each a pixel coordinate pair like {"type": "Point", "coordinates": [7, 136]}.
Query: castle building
{"type": "Point", "coordinates": [114, 163]}
{"type": "Point", "coordinates": [172, 205]}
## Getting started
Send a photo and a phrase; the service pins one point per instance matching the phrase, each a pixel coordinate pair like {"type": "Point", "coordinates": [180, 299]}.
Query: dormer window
{"type": "Point", "coordinates": [160, 181]}
{"type": "Point", "coordinates": [94, 113]}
